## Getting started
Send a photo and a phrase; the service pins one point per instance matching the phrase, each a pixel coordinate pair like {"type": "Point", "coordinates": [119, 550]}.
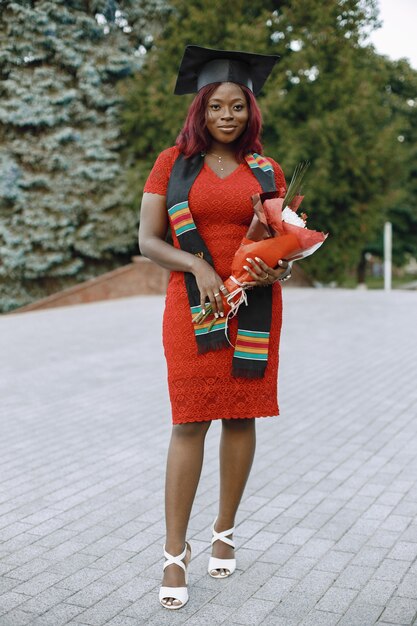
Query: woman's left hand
{"type": "Point", "coordinates": [262, 274]}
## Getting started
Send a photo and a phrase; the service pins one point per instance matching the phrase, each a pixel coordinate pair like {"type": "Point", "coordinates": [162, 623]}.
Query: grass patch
{"type": "Point", "coordinates": [374, 282]}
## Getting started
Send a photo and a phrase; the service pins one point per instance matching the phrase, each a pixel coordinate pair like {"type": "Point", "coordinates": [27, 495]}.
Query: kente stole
{"type": "Point", "coordinates": [250, 356]}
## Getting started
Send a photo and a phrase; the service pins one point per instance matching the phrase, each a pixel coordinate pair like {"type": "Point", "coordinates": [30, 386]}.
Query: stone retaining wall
{"type": "Point", "coordinates": [141, 277]}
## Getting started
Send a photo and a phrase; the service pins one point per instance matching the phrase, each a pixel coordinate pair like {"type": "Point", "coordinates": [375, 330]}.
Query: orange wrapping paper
{"type": "Point", "coordinates": [269, 250]}
{"type": "Point", "coordinates": [271, 239]}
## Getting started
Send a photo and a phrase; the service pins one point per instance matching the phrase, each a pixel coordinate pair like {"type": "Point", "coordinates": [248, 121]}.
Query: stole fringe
{"type": "Point", "coordinates": [215, 344]}
{"type": "Point", "coordinates": [242, 372]}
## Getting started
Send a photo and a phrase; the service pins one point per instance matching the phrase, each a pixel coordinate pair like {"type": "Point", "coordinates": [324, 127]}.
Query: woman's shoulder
{"type": "Point", "coordinates": [172, 150]}
{"type": "Point", "coordinates": [168, 155]}
{"type": "Point", "coordinates": [158, 178]}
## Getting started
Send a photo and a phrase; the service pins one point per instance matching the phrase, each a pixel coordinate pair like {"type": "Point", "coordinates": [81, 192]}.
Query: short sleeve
{"type": "Point", "coordinates": [157, 181]}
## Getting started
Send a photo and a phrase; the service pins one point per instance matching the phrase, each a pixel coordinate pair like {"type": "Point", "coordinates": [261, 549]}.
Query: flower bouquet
{"type": "Point", "coordinates": [276, 232]}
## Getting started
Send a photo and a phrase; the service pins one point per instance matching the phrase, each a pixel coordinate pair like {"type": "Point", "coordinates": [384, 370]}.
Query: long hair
{"type": "Point", "coordinates": [194, 136]}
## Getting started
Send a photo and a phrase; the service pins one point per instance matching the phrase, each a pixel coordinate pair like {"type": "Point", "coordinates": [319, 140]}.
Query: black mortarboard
{"type": "Point", "coordinates": [202, 66]}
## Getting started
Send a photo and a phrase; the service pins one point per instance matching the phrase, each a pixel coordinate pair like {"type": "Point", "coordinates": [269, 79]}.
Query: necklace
{"type": "Point", "coordinates": [219, 157]}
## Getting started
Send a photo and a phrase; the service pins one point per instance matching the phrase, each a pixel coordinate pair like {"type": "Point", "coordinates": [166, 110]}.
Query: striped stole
{"type": "Point", "coordinates": [250, 356]}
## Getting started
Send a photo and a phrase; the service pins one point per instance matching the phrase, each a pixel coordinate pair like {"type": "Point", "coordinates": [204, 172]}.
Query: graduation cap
{"type": "Point", "coordinates": [203, 66]}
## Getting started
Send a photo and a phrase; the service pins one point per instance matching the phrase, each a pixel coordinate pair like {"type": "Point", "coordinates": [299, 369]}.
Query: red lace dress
{"type": "Point", "coordinates": [201, 386]}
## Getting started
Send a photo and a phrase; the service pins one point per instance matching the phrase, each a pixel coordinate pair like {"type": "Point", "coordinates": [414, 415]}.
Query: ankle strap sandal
{"type": "Point", "coordinates": [178, 593]}
{"type": "Point", "coordinates": [216, 564]}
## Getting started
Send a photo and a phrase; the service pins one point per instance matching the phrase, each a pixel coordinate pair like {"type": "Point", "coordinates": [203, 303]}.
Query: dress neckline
{"type": "Point", "coordinates": [222, 177]}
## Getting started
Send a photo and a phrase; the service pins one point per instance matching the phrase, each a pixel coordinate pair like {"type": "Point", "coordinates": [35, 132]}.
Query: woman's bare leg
{"type": "Point", "coordinates": [237, 450]}
{"type": "Point", "coordinates": [184, 463]}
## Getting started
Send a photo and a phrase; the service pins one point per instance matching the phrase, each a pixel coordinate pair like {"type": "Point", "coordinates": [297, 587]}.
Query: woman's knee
{"type": "Point", "coordinates": [191, 429]}
{"type": "Point", "coordinates": [247, 424]}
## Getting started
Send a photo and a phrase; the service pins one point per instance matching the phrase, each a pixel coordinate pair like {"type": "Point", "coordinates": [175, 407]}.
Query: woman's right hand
{"type": "Point", "coordinates": [210, 286]}
{"type": "Point", "coordinates": [153, 226]}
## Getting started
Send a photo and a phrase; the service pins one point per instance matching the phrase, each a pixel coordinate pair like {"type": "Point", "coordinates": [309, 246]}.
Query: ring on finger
{"type": "Point", "coordinates": [217, 294]}
{"type": "Point", "coordinates": [266, 276]}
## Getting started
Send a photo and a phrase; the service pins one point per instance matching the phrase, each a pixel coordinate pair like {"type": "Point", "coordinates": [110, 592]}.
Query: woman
{"type": "Point", "coordinates": [206, 182]}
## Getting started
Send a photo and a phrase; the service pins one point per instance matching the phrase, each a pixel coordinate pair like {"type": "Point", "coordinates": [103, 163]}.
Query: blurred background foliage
{"type": "Point", "coordinates": [65, 213]}
{"type": "Point", "coordinates": [86, 105]}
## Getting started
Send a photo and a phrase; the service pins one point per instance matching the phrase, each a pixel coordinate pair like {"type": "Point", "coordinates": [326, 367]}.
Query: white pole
{"type": "Point", "coordinates": [387, 256]}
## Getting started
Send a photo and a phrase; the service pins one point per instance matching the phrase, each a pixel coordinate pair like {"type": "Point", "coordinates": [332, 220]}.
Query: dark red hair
{"type": "Point", "coordinates": [194, 136]}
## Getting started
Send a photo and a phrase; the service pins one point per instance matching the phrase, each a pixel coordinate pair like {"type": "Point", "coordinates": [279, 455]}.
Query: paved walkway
{"type": "Point", "coordinates": [327, 530]}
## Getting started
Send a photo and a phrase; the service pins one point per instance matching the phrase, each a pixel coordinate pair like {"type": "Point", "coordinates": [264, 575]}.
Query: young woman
{"type": "Point", "coordinates": [202, 188]}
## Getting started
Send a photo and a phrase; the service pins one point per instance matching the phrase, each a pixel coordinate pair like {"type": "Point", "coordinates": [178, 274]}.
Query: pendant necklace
{"type": "Point", "coordinates": [219, 157]}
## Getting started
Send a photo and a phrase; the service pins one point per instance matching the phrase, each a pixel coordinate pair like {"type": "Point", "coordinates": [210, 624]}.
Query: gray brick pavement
{"type": "Point", "coordinates": [327, 530]}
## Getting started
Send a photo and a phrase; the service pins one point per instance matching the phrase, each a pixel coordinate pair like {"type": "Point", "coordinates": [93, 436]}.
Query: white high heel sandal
{"type": "Point", "coordinates": [178, 593]}
{"type": "Point", "coordinates": [214, 562]}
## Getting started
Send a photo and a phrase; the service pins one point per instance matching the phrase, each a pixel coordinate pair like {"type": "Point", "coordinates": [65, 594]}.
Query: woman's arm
{"type": "Point", "coordinates": [152, 229]}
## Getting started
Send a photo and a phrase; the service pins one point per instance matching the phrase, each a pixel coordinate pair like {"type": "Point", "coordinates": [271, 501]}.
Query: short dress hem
{"type": "Point", "coordinates": [229, 417]}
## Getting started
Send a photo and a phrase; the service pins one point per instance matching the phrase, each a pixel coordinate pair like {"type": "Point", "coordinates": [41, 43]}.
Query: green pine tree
{"type": "Point", "coordinates": [65, 211]}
